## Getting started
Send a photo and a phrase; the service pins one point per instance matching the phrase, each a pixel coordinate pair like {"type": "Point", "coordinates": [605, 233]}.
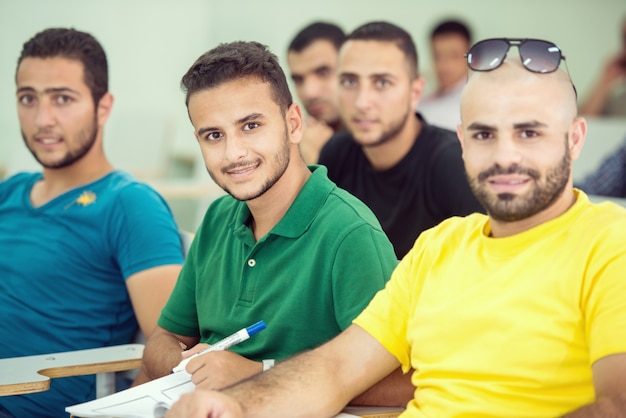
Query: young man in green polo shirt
{"type": "Point", "coordinates": [285, 246]}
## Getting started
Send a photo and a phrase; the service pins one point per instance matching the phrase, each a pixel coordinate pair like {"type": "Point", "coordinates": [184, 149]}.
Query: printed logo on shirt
{"type": "Point", "coordinates": [85, 199]}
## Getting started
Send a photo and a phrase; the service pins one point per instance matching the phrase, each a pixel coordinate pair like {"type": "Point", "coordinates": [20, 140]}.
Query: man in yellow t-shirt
{"type": "Point", "coordinates": [520, 313]}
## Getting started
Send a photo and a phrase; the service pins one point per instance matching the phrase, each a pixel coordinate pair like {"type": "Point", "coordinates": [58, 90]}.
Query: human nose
{"type": "Point", "coordinates": [507, 152]}
{"type": "Point", "coordinates": [44, 115]}
{"type": "Point", "coordinates": [236, 148]}
{"type": "Point", "coordinates": [363, 97]}
{"type": "Point", "coordinates": [310, 89]}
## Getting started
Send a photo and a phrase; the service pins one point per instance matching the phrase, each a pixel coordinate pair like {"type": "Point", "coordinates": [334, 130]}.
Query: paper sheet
{"type": "Point", "coordinates": [137, 402]}
{"type": "Point", "coordinates": [152, 399]}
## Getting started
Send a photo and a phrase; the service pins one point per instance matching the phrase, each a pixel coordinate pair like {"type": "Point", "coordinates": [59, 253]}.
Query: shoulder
{"type": "Point", "coordinates": [607, 218]}
{"type": "Point", "coordinates": [343, 206]}
{"type": "Point", "coordinates": [439, 138]}
{"type": "Point", "coordinates": [16, 183]}
{"type": "Point", "coordinates": [125, 187]}
{"type": "Point", "coordinates": [221, 214]}
{"type": "Point", "coordinates": [339, 144]}
{"type": "Point", "coordinates": [453, 232]}
{"type": "Point", "coordinates": [19, 178]}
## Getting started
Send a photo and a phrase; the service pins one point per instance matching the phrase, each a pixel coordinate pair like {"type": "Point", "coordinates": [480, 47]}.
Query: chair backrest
{"type": "Point", "coordinates": [186, 238]}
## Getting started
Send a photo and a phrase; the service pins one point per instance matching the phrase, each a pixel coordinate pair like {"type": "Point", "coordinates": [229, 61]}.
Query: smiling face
{"type": "Point", "coordinates": [376, 94]}
{"type": "Point", "coordinates": [519, 134]}
{"type": "Point", "coordinates": [57, 117]}
{"type": "Point", "coordinates": [246, 141]}
{"type": "Point", "coordinates": [314, 74]}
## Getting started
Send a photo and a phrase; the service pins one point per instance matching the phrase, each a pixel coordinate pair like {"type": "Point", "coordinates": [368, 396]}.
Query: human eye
{"type": "Point", "coordinates": [213, 136]}
{"type": "Point", "coordinates": [297, 80]}
{"type": "Point", "coordinates": [482, 135]}
{"type": "Point", "coordinates": [528, 134]}
{"type": "Point", "coordinates": [250, 126]}
{"type": "Point", "coordinates": [382, 83]}
{"type": "Point", "coordinates": [347, 82]}
{"type": "Point", "coordinates": [26, 99]}
{"type": "Point", "coordinates": [62, 99]}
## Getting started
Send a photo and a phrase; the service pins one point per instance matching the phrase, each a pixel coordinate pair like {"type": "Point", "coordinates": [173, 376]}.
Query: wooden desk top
{"type": "Point", "coordinates": [29, 374]}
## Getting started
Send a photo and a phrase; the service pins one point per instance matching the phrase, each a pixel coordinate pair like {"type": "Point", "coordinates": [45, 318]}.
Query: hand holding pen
{"type": "Point", "coordinates": [226, 343]}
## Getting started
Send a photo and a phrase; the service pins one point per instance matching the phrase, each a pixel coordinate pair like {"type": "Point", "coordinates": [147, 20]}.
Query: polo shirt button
{"type": "Point", "coordinates": [252, 262]}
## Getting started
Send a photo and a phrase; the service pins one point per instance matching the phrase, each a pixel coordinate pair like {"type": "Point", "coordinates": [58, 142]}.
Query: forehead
{"type": "Point", "coordinates": [40, 73]}
{"type": "Point", "coordinates": [507, 97]}
{"type": "Point", "coordinates": [371, 57]}
{"type": "Point", "coordinates": [229, 102]}
{"type": "Point", "coordinates": [450, 41]}
{"type": "Point", "coordinates": [319, 53]}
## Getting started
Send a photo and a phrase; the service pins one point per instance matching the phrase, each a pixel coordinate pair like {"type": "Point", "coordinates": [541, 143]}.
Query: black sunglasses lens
{"type": "Point", "coordinates": [487, 55]}
{"type": "Point", "coordinates": [540, 56]}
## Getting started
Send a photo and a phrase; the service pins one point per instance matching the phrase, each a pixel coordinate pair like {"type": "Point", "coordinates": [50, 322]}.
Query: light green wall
{"type": "Point", "coordinates": [150, 44]}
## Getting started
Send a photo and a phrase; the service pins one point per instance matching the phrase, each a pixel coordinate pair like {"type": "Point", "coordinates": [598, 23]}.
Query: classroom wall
{"type": "Point", "coordinates": [150, 44]}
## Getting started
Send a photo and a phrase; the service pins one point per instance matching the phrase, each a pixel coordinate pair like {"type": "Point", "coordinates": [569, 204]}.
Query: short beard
{"type": "Point", "coordinates": [392, 132]}
{"type": "Point", "coordinates": [507, 207]}
{"type": "Point", "coordinates": [281, 162]}
{"type": "Point", "coordinates": [86, 140]}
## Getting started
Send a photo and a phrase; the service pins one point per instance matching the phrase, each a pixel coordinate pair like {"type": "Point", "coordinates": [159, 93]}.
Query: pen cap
{"type": "Point", "coordinates": [253, 329]}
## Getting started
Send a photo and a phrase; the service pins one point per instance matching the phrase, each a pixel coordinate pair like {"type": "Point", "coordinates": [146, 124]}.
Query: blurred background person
{"type": "Point", "coordinates": [609, 178]}
{"type": "Point", "coordinates": [449, 42]}
{"type": "Point", "coordinates": [312, 61]}
{"type": "Point", "coordinates": [608, 96]}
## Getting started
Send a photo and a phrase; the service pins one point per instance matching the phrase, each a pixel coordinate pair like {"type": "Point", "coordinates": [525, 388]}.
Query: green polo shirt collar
{"type": "Point", "coordinates": [299, 215]}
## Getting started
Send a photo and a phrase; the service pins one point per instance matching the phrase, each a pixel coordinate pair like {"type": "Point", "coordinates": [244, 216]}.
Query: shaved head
{"type": "Point", "coordinates": [520, 133]}
{"type": "Point", "coordinates": [511, 80]}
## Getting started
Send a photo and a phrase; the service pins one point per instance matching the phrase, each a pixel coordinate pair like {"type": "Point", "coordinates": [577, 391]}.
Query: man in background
{"type": "Point", "coordinates": [285, 245]}
{"type": "Point", "coordinates": [608, 95]}
{"type": "Point", "coordinates": [609, 178]}
{"type": "Point", "coordinates": [408, 172]}
{"type": "Point", "coordinates": [449, 42]}
{"type": "Point", "coordinates": [87, 251]}
{"type": "Point", "coordinates": [312, 60]}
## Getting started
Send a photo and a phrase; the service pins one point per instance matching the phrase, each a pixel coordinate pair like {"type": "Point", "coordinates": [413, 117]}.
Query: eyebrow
{"type": "Point", "coordinates": [375, 75]}
{"type": "Point", "coordinates": [321, 68]}
{"type": "Point", "coordinates": [476, 126]}
{"type": "Point", "coordinates": [481, 127]}
{"type": "Point", "coordinates": [247, 118]}
{"type": "Point", "coordinates": [49, 90]}
{"type": "Point", "coordinates": [528, 125]}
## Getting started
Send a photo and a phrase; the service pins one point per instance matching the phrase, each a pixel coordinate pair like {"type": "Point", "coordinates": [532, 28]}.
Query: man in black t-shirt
{"type": "Point", "coordinates": [408, 172]}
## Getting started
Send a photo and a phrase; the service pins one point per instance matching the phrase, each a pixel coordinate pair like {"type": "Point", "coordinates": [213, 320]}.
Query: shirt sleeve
{"type": "Point", "coordinates": [144, 233]}
{"type": "Point", "coordinates": [363, 263]}
{"type": "Point", "coordinates": [604, 303]}
{"type": "Point", "coordinates": [386, 318]}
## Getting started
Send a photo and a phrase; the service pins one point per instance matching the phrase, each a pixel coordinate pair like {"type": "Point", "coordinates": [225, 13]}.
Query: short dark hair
{"type": "Point", "coordinates": [75, 45]}
{"type": "Point", "coordinates": [234, 61]}
{"type": "Point", "coordinates": [388, 32]}
{"type": "Point", "coordinates": [316, 31]}
{"type": "Point", "coordinates": [452, 27]}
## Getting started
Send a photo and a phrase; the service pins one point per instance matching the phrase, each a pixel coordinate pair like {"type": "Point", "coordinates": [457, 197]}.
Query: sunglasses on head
{"type": "Point", "coordinates": [536, 55]}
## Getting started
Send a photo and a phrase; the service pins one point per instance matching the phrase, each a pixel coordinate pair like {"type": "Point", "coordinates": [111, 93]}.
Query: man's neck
{"type": "Point", "coordinates": [267, 210]}
{"type": "Point", "coordinates": [55, 182]}
{"type": "Point", "coordinates": [388, 154]}
{"type": "Point", "coordinates": [336, 126]}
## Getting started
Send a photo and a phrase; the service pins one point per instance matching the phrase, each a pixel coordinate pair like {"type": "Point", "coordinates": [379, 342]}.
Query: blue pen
{"type": "Point", "coordinates": [236, 338]}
